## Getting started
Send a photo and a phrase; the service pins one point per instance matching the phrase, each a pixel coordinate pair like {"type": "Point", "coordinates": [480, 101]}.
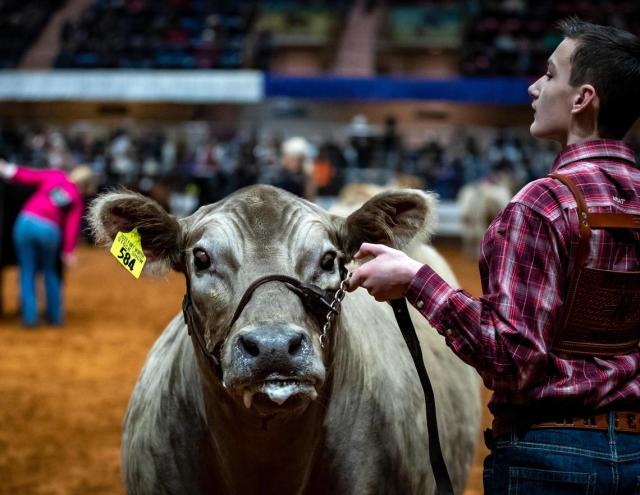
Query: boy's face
{"type": "Point", "coordinates": [553, 96]}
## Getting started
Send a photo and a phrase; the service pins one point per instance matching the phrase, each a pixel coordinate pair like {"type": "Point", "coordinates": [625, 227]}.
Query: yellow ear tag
{"type": "Point", "coordinates": [127, 249]}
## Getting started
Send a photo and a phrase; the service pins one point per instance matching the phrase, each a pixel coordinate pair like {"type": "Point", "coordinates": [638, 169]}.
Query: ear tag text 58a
{"type": "Point", "coordinates": [127, 249]}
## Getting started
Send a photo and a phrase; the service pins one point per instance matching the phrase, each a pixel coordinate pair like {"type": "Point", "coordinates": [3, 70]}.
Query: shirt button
{"type": "Point", "coordinates": [420, 304]}
{"type": "Point", "coordinates": [448, 332]}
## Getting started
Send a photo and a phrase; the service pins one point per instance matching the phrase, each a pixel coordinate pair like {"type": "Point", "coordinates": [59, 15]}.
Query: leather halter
{"type": "Point", "coordinates": [313, 297]}
{"type": "Point", "coordinates": [316, 301]}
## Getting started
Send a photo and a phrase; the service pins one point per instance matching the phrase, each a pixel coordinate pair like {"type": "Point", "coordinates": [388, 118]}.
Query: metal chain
{"type": "Point", "coordinates": [335, 308]}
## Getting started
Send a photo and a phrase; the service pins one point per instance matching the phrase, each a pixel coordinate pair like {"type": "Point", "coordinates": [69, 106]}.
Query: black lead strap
{"type": "Point", "coordinates": [440, 473]}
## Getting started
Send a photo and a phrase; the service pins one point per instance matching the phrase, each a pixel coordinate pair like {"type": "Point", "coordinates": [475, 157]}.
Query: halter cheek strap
{"type": "Point", "coordinates": [196, 335]}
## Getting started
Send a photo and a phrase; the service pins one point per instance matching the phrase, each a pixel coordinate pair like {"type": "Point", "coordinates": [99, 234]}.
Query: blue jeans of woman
{"type": "Point", "coordinates": [558, 461]}
{"type": "Point", "coordinates": [37, 244]}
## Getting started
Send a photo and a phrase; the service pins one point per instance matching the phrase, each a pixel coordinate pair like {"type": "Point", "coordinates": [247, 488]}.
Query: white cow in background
{"type": "Point", "coordinates": [479, 203]}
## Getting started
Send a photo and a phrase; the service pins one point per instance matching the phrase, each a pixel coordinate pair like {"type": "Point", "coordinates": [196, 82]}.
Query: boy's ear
{"type": "Point", "coordinates": [585, 97]}
{"type": "Point", "coordinates": [160, 233]}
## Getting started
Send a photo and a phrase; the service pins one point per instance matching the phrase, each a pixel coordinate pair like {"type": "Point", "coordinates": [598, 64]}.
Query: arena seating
{"type": "Point", "coordinates": [514, 37]}
{"type": "Point", "coordinates": [180, 34]}
{"type": "Point", "coordinates": [432, 38]}
{"type": "Point", "coordinates": [192, 34]}
{"type": "Point", "coordinates": [428, 26]}
{"type": "Point", "coordinates": [20, 22]}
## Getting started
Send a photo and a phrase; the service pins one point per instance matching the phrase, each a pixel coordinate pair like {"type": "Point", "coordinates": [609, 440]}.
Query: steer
{"type": "Point", "coordinates": [262, 404]}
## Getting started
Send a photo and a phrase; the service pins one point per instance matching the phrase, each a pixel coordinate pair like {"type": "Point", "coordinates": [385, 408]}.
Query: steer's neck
{"type": "Point", "coordinates": [265, 455]}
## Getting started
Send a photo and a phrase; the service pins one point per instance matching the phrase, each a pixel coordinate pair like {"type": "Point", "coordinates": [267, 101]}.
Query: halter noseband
{"type": "Point", "coordinates": [319, 302]}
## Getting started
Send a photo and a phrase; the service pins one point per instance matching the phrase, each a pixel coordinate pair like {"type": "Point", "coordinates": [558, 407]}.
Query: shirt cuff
{"type": "Point", "coordinates": [429, 293]}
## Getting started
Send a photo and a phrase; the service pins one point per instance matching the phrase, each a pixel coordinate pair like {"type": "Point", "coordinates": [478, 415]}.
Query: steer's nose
{"type": "Point", "coordinates": [273, 345]}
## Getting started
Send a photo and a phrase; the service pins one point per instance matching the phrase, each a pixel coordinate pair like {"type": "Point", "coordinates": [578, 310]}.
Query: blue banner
{"type": "Point", "coordinates": [463, 90]}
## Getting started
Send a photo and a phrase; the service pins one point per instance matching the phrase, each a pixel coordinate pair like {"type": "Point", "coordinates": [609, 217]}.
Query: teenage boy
{"type": "Point", "coordinates": [555, 333]}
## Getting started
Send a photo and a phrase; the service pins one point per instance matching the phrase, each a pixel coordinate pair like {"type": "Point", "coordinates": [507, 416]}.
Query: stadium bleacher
{"type": "Point", "coordinates": [160, 35]}
{"type": "Point", "coordinates": [20, 23]}
{"type": "Point", "coordinates": [480, 37]}
{"type": "Point", "coordinates": [514, 37]}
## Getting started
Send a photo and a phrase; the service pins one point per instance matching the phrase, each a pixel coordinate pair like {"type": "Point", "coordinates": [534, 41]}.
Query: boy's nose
{"type": "Point", "coordinates": [533, 89]}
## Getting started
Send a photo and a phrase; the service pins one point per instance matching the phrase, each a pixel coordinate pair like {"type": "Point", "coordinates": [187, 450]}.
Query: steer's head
{"type": "Point", "coordinates": [271, 359]}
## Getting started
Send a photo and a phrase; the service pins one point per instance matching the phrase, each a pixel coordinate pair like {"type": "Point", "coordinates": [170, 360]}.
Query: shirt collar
{"type": "Point", "coordinates": [599, 148]}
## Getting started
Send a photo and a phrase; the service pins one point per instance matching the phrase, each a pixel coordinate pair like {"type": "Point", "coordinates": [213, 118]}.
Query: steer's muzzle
{"type": "Point", "coordinates": [272, 348]}
{"type": "Point", "coordinates": [278, 364]}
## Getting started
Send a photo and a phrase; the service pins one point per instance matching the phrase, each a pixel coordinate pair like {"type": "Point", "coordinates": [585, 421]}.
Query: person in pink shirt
{"type": "Point", "coordinates": [47, 227]}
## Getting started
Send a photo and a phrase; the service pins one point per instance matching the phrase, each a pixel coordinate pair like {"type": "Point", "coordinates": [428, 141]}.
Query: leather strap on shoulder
{"type": "Point", "coordinates": [588, 221]}
{"type": "Point", "coordinates": [583, 219]}
{"type": "Point", "coordinates": [614, 220]}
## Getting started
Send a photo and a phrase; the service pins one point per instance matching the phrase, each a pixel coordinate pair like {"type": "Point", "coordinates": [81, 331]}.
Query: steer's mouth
{"type": "Point", "coordinates": [278, 395]}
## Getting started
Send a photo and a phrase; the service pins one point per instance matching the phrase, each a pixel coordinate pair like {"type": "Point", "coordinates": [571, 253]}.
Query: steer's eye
{"type": "Point", "coordinates": [201, 259]}
{"type": "Point", "coordinates": [328, 260]}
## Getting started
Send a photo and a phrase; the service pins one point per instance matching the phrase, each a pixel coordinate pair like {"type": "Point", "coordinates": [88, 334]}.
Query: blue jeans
{"type": "Point", "coordinates": [37, 244]}
{"type": "Point", "coordinates": [562, 461]}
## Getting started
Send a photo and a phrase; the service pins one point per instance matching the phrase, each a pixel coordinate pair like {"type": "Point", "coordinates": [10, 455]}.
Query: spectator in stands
{"type": "Point", "coordinates": [565, 374]}
{"type": "Point", "coordinates": [263, 50]}
{"type": "Point", "coordinates": [391, 142]}
{"type": "Point", "coordinates": [361, 142]}
{"type": "Point", "coordinates": [296, 172]}
{"type": "Point", "coordinates": [329, 169]}
{"type": "Point", "coordinates": [47, 228]}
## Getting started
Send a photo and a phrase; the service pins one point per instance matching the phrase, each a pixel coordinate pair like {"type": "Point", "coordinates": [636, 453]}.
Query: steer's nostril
{"type": "Point", "coordinates": [248, 344]}
{"type": "Point", "coordinates": [295, 343]}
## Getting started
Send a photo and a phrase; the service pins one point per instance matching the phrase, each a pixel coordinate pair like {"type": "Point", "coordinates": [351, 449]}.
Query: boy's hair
{"type": "Point", "coordinates": [609, 59]}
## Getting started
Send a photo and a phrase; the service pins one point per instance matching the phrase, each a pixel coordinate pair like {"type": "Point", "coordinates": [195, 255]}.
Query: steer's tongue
{"type": "Point", "coordinates": [279, 391]}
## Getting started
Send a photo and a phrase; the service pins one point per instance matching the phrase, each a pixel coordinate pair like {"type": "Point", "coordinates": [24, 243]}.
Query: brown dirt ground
{"type": "Point", "coordinates": [63, 392]}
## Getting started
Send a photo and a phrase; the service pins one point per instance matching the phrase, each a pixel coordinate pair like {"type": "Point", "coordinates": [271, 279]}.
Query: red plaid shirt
{"type": "Point", "coordinates": [527, 256]}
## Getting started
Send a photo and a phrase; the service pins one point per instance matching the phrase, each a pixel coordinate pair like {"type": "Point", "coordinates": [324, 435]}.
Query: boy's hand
{"type": "Point", "coordinates": [387, 275]}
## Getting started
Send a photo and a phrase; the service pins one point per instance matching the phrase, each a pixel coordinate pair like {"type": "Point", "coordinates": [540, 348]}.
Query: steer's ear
{"type": "Point", "coordinates": [122, 211]}
{"type": "Point", "coordinates": [394, 218]}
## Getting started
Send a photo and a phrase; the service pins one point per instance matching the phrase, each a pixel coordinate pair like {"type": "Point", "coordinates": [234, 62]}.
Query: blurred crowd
{"type": "Point", "coordinates": [487, 37]}
{"type": "Point", "coordinates": [20, 23]}
{"type": "Point", "coordinates": [193, 163]}
{"type": "Point", "coordinates": [186, 34]}
{"type": "Point", "coordinates": [140, 34]}
{"type": "Point", "coordinates": [515, 37]}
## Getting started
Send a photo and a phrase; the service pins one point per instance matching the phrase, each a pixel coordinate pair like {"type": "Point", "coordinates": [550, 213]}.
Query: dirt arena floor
{"type": "Point", "coordinates": [63, 392]}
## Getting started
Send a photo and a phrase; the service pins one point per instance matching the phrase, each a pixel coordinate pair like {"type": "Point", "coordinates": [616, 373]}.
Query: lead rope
{"type": "Point", "coordinates": [438, 466]}
{"type": "Point", "coordinates": [401, 312]}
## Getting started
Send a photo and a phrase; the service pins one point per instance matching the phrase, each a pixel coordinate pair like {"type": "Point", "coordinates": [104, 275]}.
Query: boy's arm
{"type": "Point", "coordinates": [505, 333]}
